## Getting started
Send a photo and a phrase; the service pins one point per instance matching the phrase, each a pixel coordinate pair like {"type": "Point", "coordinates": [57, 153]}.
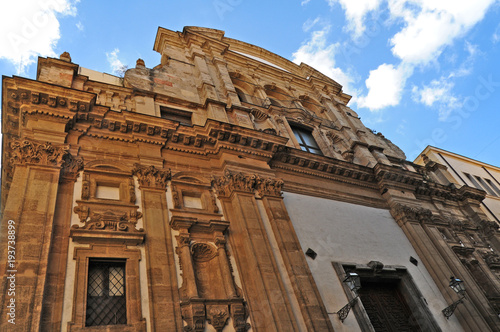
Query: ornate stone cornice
{"type": "Point", "coordinates": [28, 152]}
{"type": "Point", "coordinates": [439, 191]}
{"type": "Point", "coordinates": [393, 176]}
{"type": "Point", "coordinates": [306, 163]}
{"type": "Point", "coordinates": [150, 176]}
{"type": "Point", "coordinates": [404, 213]}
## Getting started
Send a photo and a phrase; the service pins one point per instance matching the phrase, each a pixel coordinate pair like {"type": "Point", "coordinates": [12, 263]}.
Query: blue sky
{"type": "Point", "coordinates": [422, 72]}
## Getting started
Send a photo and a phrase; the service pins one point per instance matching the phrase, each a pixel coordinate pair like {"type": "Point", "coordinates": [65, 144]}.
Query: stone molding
{"type": "Point", "coordinates": [150, 176]}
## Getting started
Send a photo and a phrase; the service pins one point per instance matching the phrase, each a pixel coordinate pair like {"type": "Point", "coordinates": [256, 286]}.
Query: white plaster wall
{"type": "Point", "coordinates": [69, 283]}
{"type": "Point", "coordinates": [343, 232]}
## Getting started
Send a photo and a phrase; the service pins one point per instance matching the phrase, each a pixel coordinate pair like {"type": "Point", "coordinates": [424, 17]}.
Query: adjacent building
{"type": "Point", "coordinates": [463, 171]}
{"type": "Point", "coordinates": [226, 189]}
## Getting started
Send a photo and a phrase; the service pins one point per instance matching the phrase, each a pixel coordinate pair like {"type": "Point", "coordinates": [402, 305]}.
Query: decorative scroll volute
{"type": "Point", "coordinates": [403, 214]}
{"type": "Point", "coordinates": [29, 152]}
{"type": "Point", "coordinates": [108, 220]}
{"type": "Point", "coordinates": [150, 176]}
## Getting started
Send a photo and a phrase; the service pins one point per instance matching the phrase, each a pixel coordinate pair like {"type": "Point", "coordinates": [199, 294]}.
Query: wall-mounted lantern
{"type": "Point", "coordinates": [458, 286]}
{"type": "Point", "coordinates": [353, 281]}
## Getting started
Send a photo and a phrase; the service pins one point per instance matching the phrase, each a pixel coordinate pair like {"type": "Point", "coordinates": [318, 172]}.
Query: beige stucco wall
{"type": "Point", "coordinates": [460, 165]}
{"type": "Point", "coordinates": [343, 232]}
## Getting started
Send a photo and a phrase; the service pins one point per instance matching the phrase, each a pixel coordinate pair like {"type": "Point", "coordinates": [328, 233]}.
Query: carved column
{"type": "Point", "coordinates": [311, 304]}
{"type": "Point", "coordinates": [227, 277]}
{"type": "Point", "coordinates": [54, 295]}
{"type": "Point", "coordinates": [31, 206]}
{"type": "Point", "coordinates": [162, 279]}
{"type": "Point", "coordinates": [188, 277]}
{"type": "Point", "coordinates": [263, 288]}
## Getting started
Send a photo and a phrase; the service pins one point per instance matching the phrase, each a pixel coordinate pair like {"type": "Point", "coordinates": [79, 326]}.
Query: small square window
{"type": "Point", "coordinates": [106, 302]}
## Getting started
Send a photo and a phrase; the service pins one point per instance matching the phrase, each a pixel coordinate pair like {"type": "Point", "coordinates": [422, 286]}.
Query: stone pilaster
{"type": "Point", "coordinates": [54, 295]}
{"type": "Point", "coordinates": [263, 288]}
{"type": "Point", "coordinates": [304, 286]}
{"type": "Point", "coordinates": [160, 264]}
{"type": "Point", "coordinates": [31, 207]}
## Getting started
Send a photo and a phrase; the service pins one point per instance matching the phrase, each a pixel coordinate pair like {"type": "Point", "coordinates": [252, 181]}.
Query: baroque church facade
{"type": "Point", "coordinates": [226, 189]}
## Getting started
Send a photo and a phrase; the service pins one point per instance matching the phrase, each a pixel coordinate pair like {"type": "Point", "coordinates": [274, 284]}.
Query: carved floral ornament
{"type": "Point", "coordinates": [150, 176]}
{"type": "Point", "coordinates": [29, 152]}
{"type": "Point", "coordinates": [230, 182]}
{"type": "Point", "coordinates": [111, 221]}
{"type": "Point", "coordinates": [407, 213]}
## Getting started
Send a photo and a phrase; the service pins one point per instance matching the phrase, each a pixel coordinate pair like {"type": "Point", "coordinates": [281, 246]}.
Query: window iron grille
{"type": "Point", "coordinates": [106, 302]}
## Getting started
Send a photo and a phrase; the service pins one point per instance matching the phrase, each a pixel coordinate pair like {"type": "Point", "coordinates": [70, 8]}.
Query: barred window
{"type": "Point", "coordinates": [106, 303]}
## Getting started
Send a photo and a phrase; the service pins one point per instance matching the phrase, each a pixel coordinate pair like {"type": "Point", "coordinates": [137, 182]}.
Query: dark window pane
{"type": "Point", "coordinates": [306, 140]}
{"type": "Point", "coordinates": [183, 117]}
{"type": "Point", "coordinates": [106, 302]}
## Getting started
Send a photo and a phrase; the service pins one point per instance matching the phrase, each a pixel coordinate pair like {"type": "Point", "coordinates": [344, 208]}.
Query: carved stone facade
{"type": "Point", "coordinates": [195, 187]}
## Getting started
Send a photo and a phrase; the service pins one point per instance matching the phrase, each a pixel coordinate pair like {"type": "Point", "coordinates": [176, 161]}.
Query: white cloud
{"type": "Point", "coordinates": [355, 12]}
{"type": "Point", "coordinates": [496, 35]}
{"type": "Point", "coordinates": [385, 86]}
{"type": "Point", "coordinates": [116, 65]}
{"type": "Point", "coordinates": [430, 25]}
{"type": "Point", "coordinates": [79, 26]}
{"type": "Point", "coordinates": [304, 2]}
{"type": "Point", "coordinates": [438, 94]}
{"type": "Point", "coordinates": [309, 24]}
{"type": "Point", "coordinates": [426, 28]}
{"type": "Point", "coordinates": [320, 55]}
{"type": "Point", "coordinates": [31, 28]}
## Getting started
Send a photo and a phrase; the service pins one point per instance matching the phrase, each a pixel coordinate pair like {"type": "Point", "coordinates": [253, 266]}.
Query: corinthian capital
{"type": "Point", "coordinates": [150, 176]}
{"type": "Point", "coordinates": [25, 151]}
